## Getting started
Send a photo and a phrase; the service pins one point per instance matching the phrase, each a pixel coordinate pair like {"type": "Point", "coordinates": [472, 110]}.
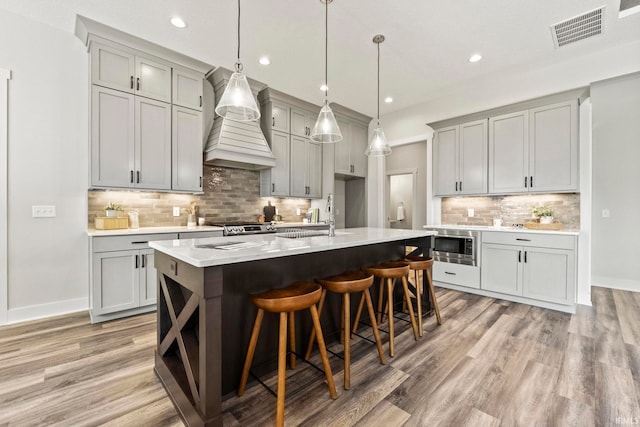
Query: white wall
{"type": "Point", "coordinates": [5, 75]}
{"type": "Point", "coordinates": [616, 174]}
{"type": "Point", "coordinates": [47, 165]}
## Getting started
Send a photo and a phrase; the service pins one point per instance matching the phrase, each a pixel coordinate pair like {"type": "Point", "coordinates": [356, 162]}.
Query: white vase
{"type": "Point", "coordinates": [111, 213]}
{"type": "Point", "coordinates": [546, 219]}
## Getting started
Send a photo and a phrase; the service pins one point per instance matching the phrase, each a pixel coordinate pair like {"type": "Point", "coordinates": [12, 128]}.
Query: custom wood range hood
{"type": "Point", "coordinates": [236, 144]}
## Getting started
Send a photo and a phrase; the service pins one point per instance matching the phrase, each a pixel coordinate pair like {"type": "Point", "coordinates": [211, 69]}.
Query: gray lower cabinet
{"type": "Point", "coordinates": [536, 266]}
{"type": "Point", "coordinates": [123, 275]}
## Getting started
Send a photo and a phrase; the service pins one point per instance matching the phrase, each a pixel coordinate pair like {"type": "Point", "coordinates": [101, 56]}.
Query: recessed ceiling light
{"type": "Point", "coordinates": [264, 60]}
{"type": "Point", "coordinates": [475, 57]}
{"type": "Point", "coordinates": [323, 88]}
{"type": "Point", "coordinates": [178, 22]}
{"type": "Point", "coordinates": [388, 100]}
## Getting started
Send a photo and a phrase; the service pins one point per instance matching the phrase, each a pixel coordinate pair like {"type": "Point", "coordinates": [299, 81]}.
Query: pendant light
{"type": "Point", "coordinates": [326, 128]}
{"type": "Point", "coordinates": [237, 101]}
{"type": "Point", "coordinates": [378, 145]}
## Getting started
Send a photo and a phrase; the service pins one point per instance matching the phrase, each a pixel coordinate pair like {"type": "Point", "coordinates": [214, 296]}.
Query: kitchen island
{"type": "Point", "coordinates": [205, 316]}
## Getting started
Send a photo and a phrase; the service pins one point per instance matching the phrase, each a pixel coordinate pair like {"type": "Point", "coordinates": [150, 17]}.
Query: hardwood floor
{"type": "Point", "coordinates": [492, 363]}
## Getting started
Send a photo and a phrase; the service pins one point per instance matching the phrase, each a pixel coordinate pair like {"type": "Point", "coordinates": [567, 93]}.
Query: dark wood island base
{"type": "Point", "coordinates": [204, 318]}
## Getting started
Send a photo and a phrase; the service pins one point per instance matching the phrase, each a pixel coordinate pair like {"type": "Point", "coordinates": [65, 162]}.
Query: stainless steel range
{"type": "Point", "coordinates": [241, 228]}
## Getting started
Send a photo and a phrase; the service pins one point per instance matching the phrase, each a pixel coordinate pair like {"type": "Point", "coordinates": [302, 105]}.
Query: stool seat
{"type": "Point", "coordinates": [423, 263]}
{"type": "Point", "coordinates": [345, 284]}
{"type": "Point", "coordinates": [389, 269]}
{"type": "Point", "coordinates": [295, 297]}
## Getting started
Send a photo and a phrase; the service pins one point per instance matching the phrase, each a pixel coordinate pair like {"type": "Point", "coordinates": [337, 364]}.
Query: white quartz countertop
{"type": "Point", "coordinates": [299, 224]}
{"type": "Point", "coordinates": [500, 229]}
{"type": "Point", "coordinates": [214, 251]}
{"type": "Point", "coordinates": [92, 232]}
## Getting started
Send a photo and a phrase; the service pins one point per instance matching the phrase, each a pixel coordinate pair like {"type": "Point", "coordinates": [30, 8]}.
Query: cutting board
{"type": "Point", "coordinates": [269, 212]}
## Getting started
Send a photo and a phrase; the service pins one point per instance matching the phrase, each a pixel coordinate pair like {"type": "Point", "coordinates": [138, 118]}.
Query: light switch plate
{"type": "Point", "coordinates": [470, 212]}
{"type": "Point", "coordinates": [606, 213]}
{"type": "Point", "coordinates": [176, 211]}
{"type": "Point", "coordinates": [41, 211]}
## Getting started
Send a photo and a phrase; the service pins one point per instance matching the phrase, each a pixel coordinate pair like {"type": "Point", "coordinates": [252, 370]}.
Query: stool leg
{"type": "Point", "coordinates": [366, 295]}
{"type": "Point", "coordinates": [408, 299]}
{"type": "Point", "coordinates": [282, 370]}
{"type": "Point", "coordinates": [346, 320]}
{"type": "Point", "coordinates": [356, 321]}
{"type": "Point", "coordinates": [250, 352]}
{"type": "Point", "coordinates": [418, 303]}
{"type": "Point", "coordinates": [292, 340]}
{"type": "Point", "coordinates": [312, 337]}
{"type": "Point", "coordinates": [380, 298]}
{"type": "Point", "coordinates": [323, 352]}
{"type": "Point", "coordinates": [392, 347]}
{"type": "Point", "coordinates": [432, 292]}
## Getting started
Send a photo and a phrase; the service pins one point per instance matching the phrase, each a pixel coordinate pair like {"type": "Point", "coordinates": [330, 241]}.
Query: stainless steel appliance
{"type": "Point", "coordinates": [456, 246]}
{"type": "Point", "coordinates": [241, 228]}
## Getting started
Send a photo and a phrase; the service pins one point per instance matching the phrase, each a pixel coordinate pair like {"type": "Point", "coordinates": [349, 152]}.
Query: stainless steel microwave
{"type": "Point", "coordinates": [456, 246]}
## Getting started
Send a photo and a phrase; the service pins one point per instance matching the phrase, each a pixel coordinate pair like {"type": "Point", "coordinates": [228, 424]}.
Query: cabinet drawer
{"type": "Point", "coordinates": [456, 274]}
{"type": "Point", "coordinates": [122, 243]}
{"type": "Point", "coordinates": [529, 239]}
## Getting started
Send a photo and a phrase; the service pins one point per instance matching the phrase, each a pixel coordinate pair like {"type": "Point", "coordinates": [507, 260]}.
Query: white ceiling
{"type": "Point", "coordinates": [424, 56]}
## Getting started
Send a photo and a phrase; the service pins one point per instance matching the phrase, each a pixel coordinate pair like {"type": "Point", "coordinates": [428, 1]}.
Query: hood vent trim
{"type": "Point", "coordinates": [235, 144]}
{"type": "Point", "coordinates": [586, 25]}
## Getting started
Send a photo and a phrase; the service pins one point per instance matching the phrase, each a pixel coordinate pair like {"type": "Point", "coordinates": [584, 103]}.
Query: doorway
{"type": "Point", "coordinates": [400, 197]}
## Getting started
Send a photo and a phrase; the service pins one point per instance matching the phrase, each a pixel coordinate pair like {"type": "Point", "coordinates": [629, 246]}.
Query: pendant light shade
{"type": "Point", "coordinates": [237, 101]}
{"type": "Point", "coordinates": [326, 129]}
{"type": "Point", "coordinates": [378, 145]}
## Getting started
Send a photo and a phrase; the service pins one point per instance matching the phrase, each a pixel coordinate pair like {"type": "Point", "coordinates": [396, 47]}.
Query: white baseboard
{"type": "Point", "coordinates": [57, 308]}
{"type": "Point", "coordinates": [616, 283]}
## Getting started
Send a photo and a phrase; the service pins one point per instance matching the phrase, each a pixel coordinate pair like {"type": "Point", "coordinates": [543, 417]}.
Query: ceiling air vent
{"type": "Point", "coordinates": [578, 28]}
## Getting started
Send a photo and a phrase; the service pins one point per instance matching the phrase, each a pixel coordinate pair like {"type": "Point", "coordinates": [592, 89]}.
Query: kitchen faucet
{"type": "Point", "coordinates": [332, 218]}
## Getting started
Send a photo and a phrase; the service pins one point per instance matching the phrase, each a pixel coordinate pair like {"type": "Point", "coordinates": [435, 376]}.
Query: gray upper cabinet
{"type": "Point", "coordinates": [460, 159]}
{"type": "Point", "coordinates": [279, 175]}
{"type": "Point", "coordinates": [534, 150]}
{"type": "Point", "coordinates": [280, 118]}
{"type": "Point", "coordinates": [306, 168]}
{"type": "Point", "coordinates": [350, 159]}
{"type": "Point", "coordinates": [152, 154]}
{"type": "Point", "coordinates": [187, 88]}
{"type": "Point", "coordinates": [186, 156]}
{"type": "Point", "coordinates": [122, 69]}
{"type": "Point", "coordinates": [302, 122]}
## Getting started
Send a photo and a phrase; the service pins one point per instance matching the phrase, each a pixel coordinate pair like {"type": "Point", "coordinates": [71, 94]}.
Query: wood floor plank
{"type": "Point", "coordinates": [628, 312]}
{"type": "Point", "coordinates": [570, 413]}
{"type": "Point", "coordinates": [583, 322]}
{"type": "Point", "coordinates": [577, 377]}
{"type": "Point", "coordinates": [469, 416]}
{"type": "Point", "coordinates": [615, 397]}
{"type": "Point", "coordinates": [384, 414]}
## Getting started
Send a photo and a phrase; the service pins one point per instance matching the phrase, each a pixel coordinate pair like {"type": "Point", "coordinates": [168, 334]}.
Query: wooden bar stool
{"type": "Point", "coordinates": [422, 263]}
{"type": "Point", "coordinates": [346, 284]}
{"type": "Point", "coordinates": [388, 272]}
{"type": "Point", "coordinates": [286, 301]}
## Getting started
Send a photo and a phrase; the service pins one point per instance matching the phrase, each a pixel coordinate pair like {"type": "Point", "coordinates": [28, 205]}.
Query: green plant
{"type": "Point", "coordinates": [112, 207]}
{"type": "Point", "coordinates": [541, 211]}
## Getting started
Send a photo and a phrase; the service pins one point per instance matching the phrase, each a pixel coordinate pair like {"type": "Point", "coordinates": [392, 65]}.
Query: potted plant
{"type": "Point", "coordinates": [192, 210]}
{"type": "Point", "coordinates": [544, 214]}
{"type": "Point", "coordinates": [111, 209]}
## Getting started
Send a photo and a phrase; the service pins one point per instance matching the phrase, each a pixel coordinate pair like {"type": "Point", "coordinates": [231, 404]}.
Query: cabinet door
{"type": "Point", "coordinates": [280, 173]}
{"type": "Point", "coordinates": [445, 161]}
{"type": "Point", "coordinates": [148, 278]}
{"type": "Point", "coordinates": [473, 158]}
{"type": "Point", "coordinates": [501, 268]}
{"type": "Point", "coordinates": [112, 138]}
{"type": "Point", "coordinates": [314, 170]}
{"type": "Point", "coordinates": [509, 153]}
{"type": "Point", "coordinates": [152, 144]}
{"type": "Point", "coordinates": [553, 147]}
{"type": "Point", "coordinates": [112, 68]}
{"type": "Point", "coordinates": [358, 142]}
{"type": "Point", "coordinates": [298, 173]}
{"type": "Point", "coordinates": [187, 88]}
{"type": "Point", "coordinates": [342, 153]}
{"type": "Point", "coordinates": [549, 274]}
{"type": "Point", "coordinates": [301, 124]}
{"type": "Point", "coordinates": [186, 159]}
{"type": "Point", "coordinates": [115, 281]}
{"type": "Point", "coordinates": [153, 79]}
{"type": "Point", "coordinates": [279, 117]}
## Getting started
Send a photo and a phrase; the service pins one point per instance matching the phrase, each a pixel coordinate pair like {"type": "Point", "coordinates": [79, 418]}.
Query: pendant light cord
{"type": "Point", "coordinates": [326, 50]}
{"type": "Point", "coordinates": [238, 64]}
{"type": "Point", "coordinates": [378, 84]}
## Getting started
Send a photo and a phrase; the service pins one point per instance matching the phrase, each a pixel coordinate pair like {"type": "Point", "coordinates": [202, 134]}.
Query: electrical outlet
{"type": "Point", "coordinates": [605, 213]}
{"type": "Point", "coordinates": [176, 211]}
{"type": "Point", "coordinates": [43, 211]}
{"type": "Point", "coordinates": [470, 212]}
